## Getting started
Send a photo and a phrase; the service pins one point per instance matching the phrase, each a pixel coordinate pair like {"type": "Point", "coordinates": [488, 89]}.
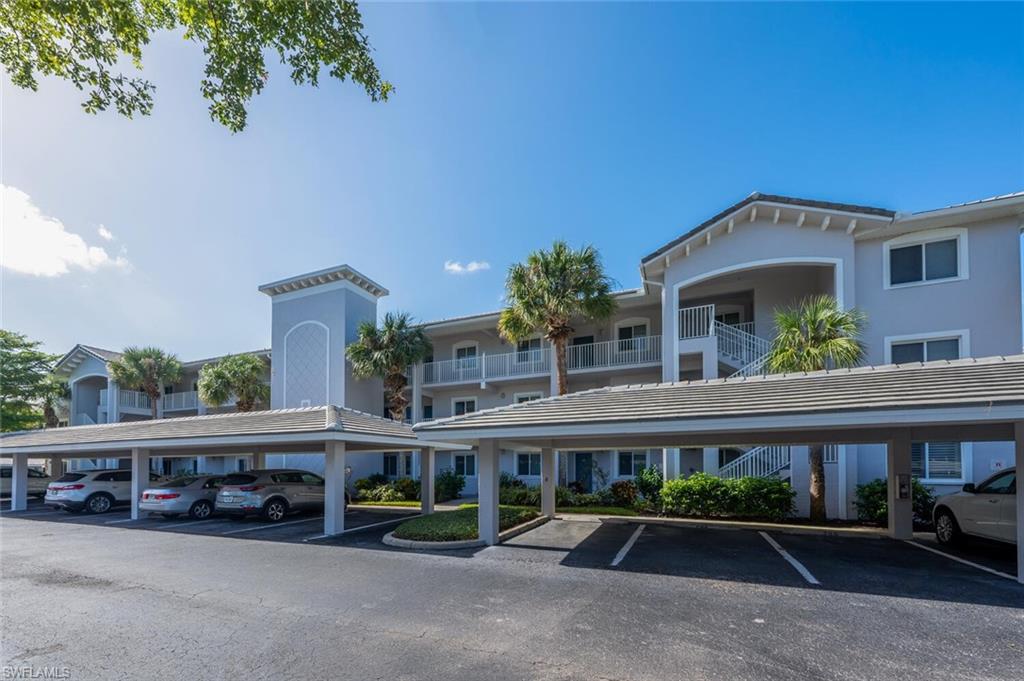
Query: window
{"type": "Point", "coordinates": [465, 464]}
{"type": "Point", "coordinates": [931, 347]}
{"type": "Point", "coordinates": [1004, 483]}
{"type": "Point", "coordinates": [935, 256]}
{"type": "Point", "coordinates": [519, 398]}
{"type": "Point", "coordinates": [168, 389]}
{"type": "Point", "coordinates": [311, 479]}
{"type": "Point", "coordinates": [288, 477]}
{"type": "Point", "coordinates": [36, 473]}
{"type": "Point", "coordinates": [528, 464]}
{"type": "Point", "coordinates": [936, 461]}
{"type": "Point", "coordinates": [632, 336]}
{"type": "Point", "coordinates": [391, 465]}
{"type": "Point", "coordinates": [528, 350]}
{"type": "Point", "coordinates": [5, 472]}
{"type": "Point", "coordinates": [213, 483]}
{"type": "Point", "coordinates": [428, 412]}
{"type": "Point", "coordinates": [631, 463]}
{"type": "Point", "coordinates": [463, 405]}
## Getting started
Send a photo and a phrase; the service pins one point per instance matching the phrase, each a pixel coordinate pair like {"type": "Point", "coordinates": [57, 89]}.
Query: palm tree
{"type": "Point", "coordinates": [387, 353]}
{"type": "Point", "coordinates": [816, 335]}
{"type": "Point", "coordinates": [56, 393]}
{"type": "Point", "coordinates": [238, 375]}
{"type": "Point", "coordinates": [551, 289]}
{"type": "Point", "coordinates": [145, 369]}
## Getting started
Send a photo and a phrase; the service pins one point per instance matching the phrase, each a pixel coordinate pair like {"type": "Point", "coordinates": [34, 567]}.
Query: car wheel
{"type": "Point", "coordinates": [200, 510]}
{"type": "Point", "coordinates": [947, 530]}
{"type": "Point", "coordinates": [99, 503]}
{"type": "Point", "coordinates": [275, 510]}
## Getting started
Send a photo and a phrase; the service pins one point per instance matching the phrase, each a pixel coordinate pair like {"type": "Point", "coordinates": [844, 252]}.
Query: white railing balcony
{"type": "Point", "coordinates": [180, 401]}
{"type": "Point", "coordinates": [745, 327]}
{"type": "Point", "coordinates": [743, 346]}
{"type": "Point", "coordinates": [133, 399]}
{"type": "Point", "coordinates": [696, 322]}
{"type": "Point", "coordinates": [615, 353]}
{"type": "Point", "coordinates": [466, 369]}
{"type": "Point", "coordinates": [516, 364]}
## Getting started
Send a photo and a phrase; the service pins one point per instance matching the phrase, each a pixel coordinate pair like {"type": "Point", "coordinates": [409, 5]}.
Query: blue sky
{"type": "Point", "coordinates": [620, 125]}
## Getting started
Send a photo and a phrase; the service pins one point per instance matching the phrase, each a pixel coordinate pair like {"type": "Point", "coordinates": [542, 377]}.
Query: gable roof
{"type": "Point", "coordinates": [324, 276]}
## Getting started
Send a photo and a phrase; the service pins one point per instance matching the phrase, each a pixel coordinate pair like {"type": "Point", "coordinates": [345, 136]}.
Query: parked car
{"type": "Point", "coordinates": [93, 491]}
{"type": "Point", "coordinates": [271, 493]}
{"type": "Point", "coordinates": [37, 481]}
{"type": "Point", "coordinates": [192, 494]}
{"type": "Point", "coordinates": [988, 510]}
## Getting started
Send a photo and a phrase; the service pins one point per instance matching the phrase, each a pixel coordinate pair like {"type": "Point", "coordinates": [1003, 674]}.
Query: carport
{"type": "Point", "coordinates": [969, 400]}
{"type": "Point", "coordinates": [336, 431]}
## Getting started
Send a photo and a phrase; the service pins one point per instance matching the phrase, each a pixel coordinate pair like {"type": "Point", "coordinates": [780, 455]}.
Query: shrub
{"type": "Point", "coordinates": [509, 480]}
{"type": "Point", "coordinates": [649, 483]}
{"type": "Point", "coordinates": [408, 488]}
{"type": "Point", "coordinates": [873, 502]}
{"type": "Point", "coordinates": [576, 487]}
{"type": "Point", "coordinates": [624, 493]}
{"type": "Point", "coordinates": [520, 495]}
{"type": "Point", "coordinates": [708, 496]}
{"type": "Point", "coordinates": [448, 485]}
{"type": "Point", "coordinates": [769, 498]}
{"type": "Point", "coordinates": [373, 481]}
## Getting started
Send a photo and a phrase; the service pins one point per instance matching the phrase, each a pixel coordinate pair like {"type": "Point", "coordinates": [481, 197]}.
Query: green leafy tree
{"type": "Point", "coordinates": [87, 41]}
{"type": "Point", "coordinates": [387, 353]}
{"type": "Point", "coordinates": [815, 335]}
{"type": "Point", "coordinates": [56, 394]}
{"type": "Point", "coordinates": [238, 375]}
{"type": "Point", "coordinates": [145, 369]}
{"type": "Point", "coordinates": [551, 289]}
{"type": "Point", "coordinates": [24, 381]}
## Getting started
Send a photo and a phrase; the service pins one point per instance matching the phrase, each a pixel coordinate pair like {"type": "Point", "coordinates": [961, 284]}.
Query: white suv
{"type": "Point", "coordinates": [988, 510]}
{"type": "Point", "coordinates": [37, 481]}
{"type": "Point", "coordinates": [92, 491]}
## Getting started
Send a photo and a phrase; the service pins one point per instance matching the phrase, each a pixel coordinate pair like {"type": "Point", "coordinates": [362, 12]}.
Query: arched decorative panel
{"type": "Point", "coordinates": [306, 364]}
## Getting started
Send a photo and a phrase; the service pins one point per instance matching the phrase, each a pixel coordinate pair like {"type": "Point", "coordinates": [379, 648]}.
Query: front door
{"type": "Point", "coordinates": [585, 470]}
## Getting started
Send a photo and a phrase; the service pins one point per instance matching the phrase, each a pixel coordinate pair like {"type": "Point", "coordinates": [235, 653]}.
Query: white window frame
{"type": "Point", "coordinates": [476, 403]}
{"type": "Point", "coordinates": [922, 238]}
{"type": "Point", "coordinates": [632, 321]}
{"type": "Point", "coordinates": [966, 468]}
{"type": "Point", "coordinates": [517, 353]}
{"type": "Point", "coordinates": [647, 462]}
{"type": "Point", "coordinates": [531, 455]}
{"type": "Point", "coordinates": [963, 335]}
{"type": "Point", "coordinates": [465, 344]}
{"type": "Point", "coordinates": [476, 470]}
{"type": "Point", "coordinates": [532, 394]}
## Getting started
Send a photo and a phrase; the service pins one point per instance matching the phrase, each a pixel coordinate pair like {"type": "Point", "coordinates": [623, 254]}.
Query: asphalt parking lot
{"type": "Point", "coordinates": [568, 600]}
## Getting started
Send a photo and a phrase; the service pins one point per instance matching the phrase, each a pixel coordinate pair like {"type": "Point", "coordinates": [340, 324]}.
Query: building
{"type": "Point", "coordinates": [939, 284]}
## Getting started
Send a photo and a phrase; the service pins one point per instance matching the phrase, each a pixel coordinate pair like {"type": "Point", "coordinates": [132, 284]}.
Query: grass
{"type": "Point", "coordinates": [460, 524]}
{"type": "Point", "coordinates": [411, 504]}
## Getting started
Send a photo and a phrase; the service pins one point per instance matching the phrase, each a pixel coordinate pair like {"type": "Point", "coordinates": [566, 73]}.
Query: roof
{"type": "Point", "coordinates": [338, 273]}
{"type": "Point", "coordinates": [325, 420]}
{"type": "Point", "coordinates": [976, 202]}
{"type": "Point", "coordinates": [264, 352]}
{"type": "Point", "coordinates": [497, 313]}
{"type": "Point", "coordinates": [772, 198]}
{"type": "Point", "coordinates": [985, 382]}
{"type": "Point", "coordinates": [74, 356]}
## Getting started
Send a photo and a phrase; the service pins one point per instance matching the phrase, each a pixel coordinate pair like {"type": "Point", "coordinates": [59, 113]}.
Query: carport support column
{"type": "Point", "coordinates": [901, 511]}
{"type": "Point", "coordinates": [334, 491]}
{"type": "Point", "coordinates": [259, 460]}
{"type": "Point", "coordinates": [140, 478]}
{"type": "Point", "coordinates": [487, 512]}
{"type": "Point", "coordinates": [19, 482]}
{"type": "Point", "coordinates": [548, 475]}
{"type": "Point", "coordinates": [427, 480]}
{"type": "Point", "coordinates": [1018, 436]}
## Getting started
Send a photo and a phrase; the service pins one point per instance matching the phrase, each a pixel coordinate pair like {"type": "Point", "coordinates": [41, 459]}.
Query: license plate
{"type": "Point", "coordinates": [229, 499]}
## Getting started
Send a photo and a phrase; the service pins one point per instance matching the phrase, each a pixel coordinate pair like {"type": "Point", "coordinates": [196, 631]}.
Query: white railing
{"type": "Point", "coordinates": [759, 462]}
{"type": "Point", "coordinates": [696, 322]}
{"type": "Point", "coordinates": [133, 399]}
{"type": "Point", "coordinates": [514, 364]}
{"type": "Point", "coordinates": [742, 346]}
{"type": "Point", "coordinates": [179, 401]}
{"type": "Point", "coordinates": [103, 398]}
{"type": "Point", "coordinates": [615, 353]}
{"type": "Point", "coordinates": [453, 370]}
{"type": "Point", "coordinates": [831, 454]}
{"type": "Point", "coordinates": [745, 327]}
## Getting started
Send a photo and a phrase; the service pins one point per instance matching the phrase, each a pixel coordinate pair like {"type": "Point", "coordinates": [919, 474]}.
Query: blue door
{"type": "Point", "coordinates": [585, 470]}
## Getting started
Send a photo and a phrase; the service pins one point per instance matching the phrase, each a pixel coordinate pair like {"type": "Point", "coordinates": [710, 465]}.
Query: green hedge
{"type": "Point", "coordinates": [709, 496]}
{"type": "Point", "coordinates": [873, 502]}
{"type": "Point", "coordinates": [459, 525]}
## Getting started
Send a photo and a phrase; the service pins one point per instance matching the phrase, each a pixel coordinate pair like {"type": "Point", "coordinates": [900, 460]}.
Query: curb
{"type": "Point", "coordinates": [520, 529]}
{"type": "Point", "coordinates": [703, 524]}
{"type": "Point", "coordinates": [391, 540]}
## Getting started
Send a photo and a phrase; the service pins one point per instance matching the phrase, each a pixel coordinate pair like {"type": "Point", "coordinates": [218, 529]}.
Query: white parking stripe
{"type": "Point", "coordinates": [268, 526]}
{"type": "Point", "coordinates": [961, 560]}
{"type": "Point", "coordinates": [797, 565]}
{"type": "Point", "coordinates": [364, 527]}
{"type": "Point", "coordinates": [627, 546]}
{"type": "Point", "coordinates": [125, 520]}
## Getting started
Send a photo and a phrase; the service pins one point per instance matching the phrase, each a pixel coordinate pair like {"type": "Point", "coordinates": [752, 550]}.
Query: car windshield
{"type": "Point", "coordinates": [70, 477]}
{"type": "Point", "coordinates": [179, 482]}
{"type": "Point", "coordinates": [239, 479]}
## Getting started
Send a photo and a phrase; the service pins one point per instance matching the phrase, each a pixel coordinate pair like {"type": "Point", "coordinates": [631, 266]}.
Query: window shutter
{"type": "Point", "coordinates": [944, 460]}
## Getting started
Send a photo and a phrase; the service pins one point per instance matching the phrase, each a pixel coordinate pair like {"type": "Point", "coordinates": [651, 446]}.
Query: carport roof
{"type": "Point", "coordinates": [330, 422]}
{"type": "Point", "coordinates": [993, 385]}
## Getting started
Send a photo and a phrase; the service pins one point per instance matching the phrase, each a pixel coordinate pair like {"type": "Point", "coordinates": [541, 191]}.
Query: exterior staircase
{"type": "Point", "coordinates": [741, 350]}
{"type": "Point", "coordinates": [772, 460]}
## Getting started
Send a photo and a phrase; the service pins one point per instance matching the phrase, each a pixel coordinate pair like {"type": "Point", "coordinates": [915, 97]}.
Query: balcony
{"type": "Point", "coordinates": [180, 401]}
{"type": "Point", "coordinates": [134, 401]}
{"type": "Point", "coordinates": [737, 344]}
{"type": "Point", "coordinates": [616, 354]}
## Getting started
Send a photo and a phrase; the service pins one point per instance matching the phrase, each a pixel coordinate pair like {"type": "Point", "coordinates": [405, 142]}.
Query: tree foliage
{"type": "Point", "coordinates": [238, 375]}
{"type": "Point", "coordinates": [87, 42]}
{"type": "Point", "coordinates": [24, 381]}
{"type": "Point", "coordinates": [548, 291]}
{"type": "Point", "coordinates": [387, 353]}
{"type": "Point", "coordinates": [146, 369]}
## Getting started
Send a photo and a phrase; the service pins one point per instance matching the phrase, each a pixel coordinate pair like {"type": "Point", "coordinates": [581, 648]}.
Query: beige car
{"type": "Point", "coordinates": [988, 509]}
{"type": "Point", "coordinates": [270, 494]}
{"type": "Point", "coordinates": [37, 481]}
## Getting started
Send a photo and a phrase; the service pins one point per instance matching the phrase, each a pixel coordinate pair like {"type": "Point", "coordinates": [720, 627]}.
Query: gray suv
{"type": "Point", "coordinates": [271, 494]}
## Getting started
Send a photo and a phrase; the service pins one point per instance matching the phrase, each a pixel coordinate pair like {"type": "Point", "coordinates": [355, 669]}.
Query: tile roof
{"type": "Point", "coordinates": [278, 421]}
{"type": "Point", "coordinates": [324, 276]}
{"type": "Point", "coordinates": [967, 382]}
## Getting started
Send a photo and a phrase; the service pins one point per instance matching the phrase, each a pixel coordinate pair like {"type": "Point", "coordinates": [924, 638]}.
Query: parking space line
{"type": "Point", "coordinates": [123, 520]}
{"type": "Point", "coordinates": [265, 526]}
{"type": "Point", "coordinates": [961, 560]}
{"type": "Point", "coordinates": [797, 565]}
{"type": "Point", "coordinates": [627, 546]}
{"type": "Point", "coordinates": [363, 527]}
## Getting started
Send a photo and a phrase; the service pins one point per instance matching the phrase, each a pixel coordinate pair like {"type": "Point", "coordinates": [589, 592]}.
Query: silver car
{"type": "Point", "coordinates": [191, 494]}
{"type": "Point", "coordinates": [271, 494]}
{"type": "Point", "coordinates": [94, 491]}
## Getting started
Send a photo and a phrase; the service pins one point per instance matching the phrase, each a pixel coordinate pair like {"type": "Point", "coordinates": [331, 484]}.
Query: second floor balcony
{"type": "Point", "coordinates": [606, 355]}
{"type": "Point", "coordinates": [137, 402]}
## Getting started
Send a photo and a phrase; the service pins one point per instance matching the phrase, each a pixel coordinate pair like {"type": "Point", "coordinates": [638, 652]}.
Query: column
{"type": "Point", "coordinates": [334, 488]}
{"type": "Point", "coordinates": [113, 403]}
{"type": "Point", "coordinates": [160, 403]}
{"type": "Point", "coordinates": [259, 460]}
{"type": "Point", "coordinates": [427, 480]}
{"type": "Point", "coordinates": [140, 478]}
{"type": "Point", "coordinates": [670, 463]}
{"type": "Point", "coordinates": [711, 460]}
{"type": "Point", "coordinates": [417, 392]}
{"type": "Point", "coordinates": [19, 482]}
{"type": "Point", "coordinates": [1018, 432]}
{"type": "Point", "coordinates": [900, 497]}
{"type": "Point", "coordinates": [488, 468]}
{"type": "Point", "coordinates": [548, 474]}
{"type": "Point", "coordinates": [53, 467]}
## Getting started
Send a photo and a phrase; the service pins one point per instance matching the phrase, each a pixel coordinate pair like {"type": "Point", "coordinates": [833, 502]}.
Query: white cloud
{"type": "Point", "coordinates": [456, 267]}
{"type": "Point", "coordinates": [105, 233]}
{"type": "Point", "coordinates": [40, 245]}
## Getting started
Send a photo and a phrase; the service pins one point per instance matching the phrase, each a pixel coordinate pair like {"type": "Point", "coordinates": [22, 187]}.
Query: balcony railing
{"type": "Point", "coordinates": [180, 401]}
{"type": "Point", "coordinates": [614, 353]}
{"type": "Point", "coordinates": [133, 399]}
{"type": "Point", "coordinates": [697, 322]}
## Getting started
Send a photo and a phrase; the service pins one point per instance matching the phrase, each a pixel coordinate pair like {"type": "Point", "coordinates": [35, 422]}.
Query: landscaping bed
{"type": "Point", "coordinates": [461, 524]}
